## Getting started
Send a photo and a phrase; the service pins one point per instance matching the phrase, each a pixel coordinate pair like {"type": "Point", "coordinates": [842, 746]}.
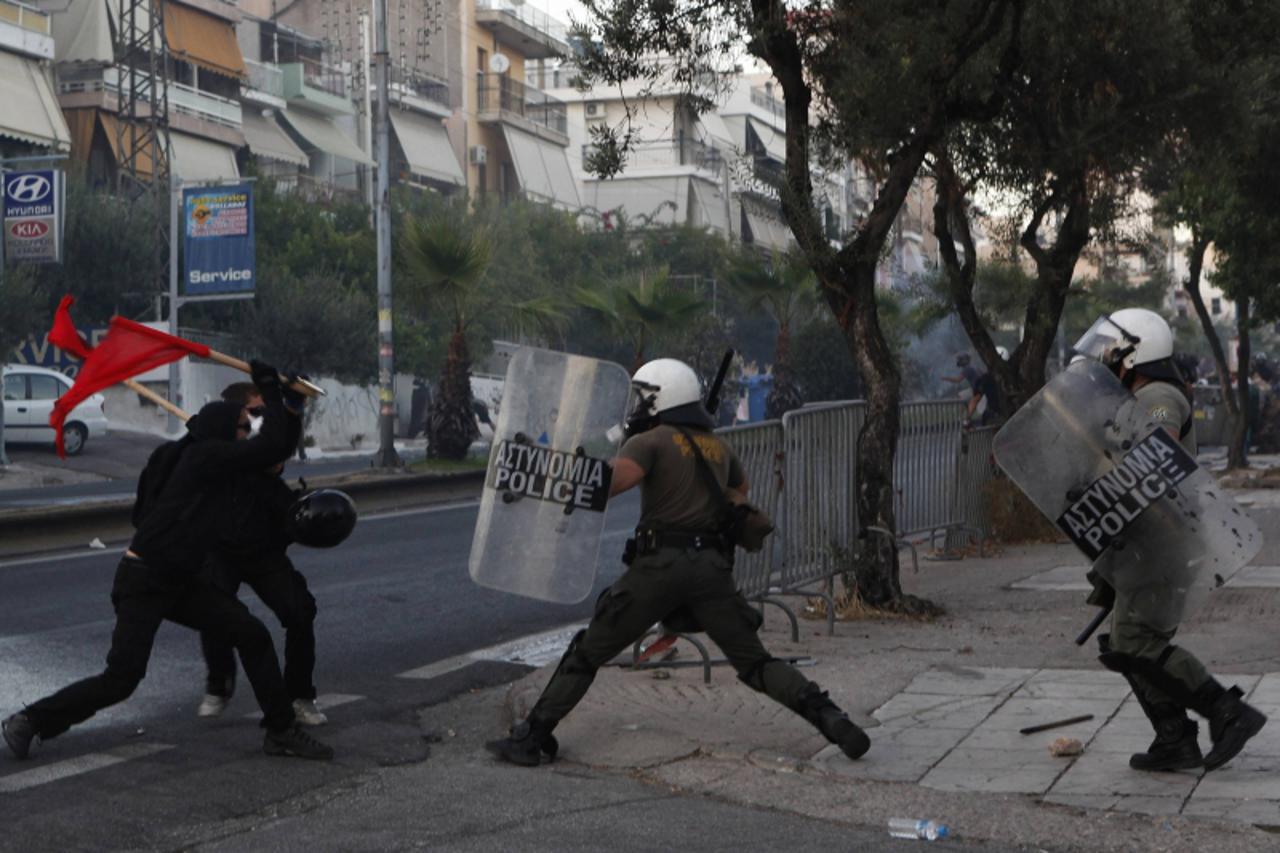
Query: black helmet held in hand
{"type": "Point", "coordinates": [322, 519]}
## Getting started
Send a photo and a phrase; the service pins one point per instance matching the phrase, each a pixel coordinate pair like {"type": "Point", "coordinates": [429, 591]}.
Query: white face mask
{"type": "Point", "coordinates": [255, 425]}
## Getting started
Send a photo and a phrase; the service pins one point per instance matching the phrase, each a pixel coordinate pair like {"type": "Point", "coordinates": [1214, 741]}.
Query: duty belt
{"type": "Point", "coordinates": [648, 541]}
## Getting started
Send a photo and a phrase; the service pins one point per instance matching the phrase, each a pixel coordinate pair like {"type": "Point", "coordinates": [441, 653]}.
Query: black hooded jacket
{"type": "Point", "coordinates": [185, 484]}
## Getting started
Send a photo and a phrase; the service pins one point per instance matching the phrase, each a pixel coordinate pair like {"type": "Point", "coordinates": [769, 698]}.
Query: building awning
{"type": "Point", "coordinates": [323, 135]}
{"type": "Point", "coordinates": [710, 210]}
{"type": "Point", "coordinates": [644, 201]}
{"type": "Point", "coordinates": [543, 168]}
{"type": "Point", "coordinates": [265, 139]}
{"type": "Point", "coordinates": [195, 159]}
{"type": "Point", "coordinates": [714, 130]}
{"type": "Point", "coordinates": [426, 147]}
{"type": "Point", "coordinates": [766, 231]}
{"type": "Point", "coordinates": [111, 128]}
{"type": "Point", "coordinates": [774, 141]}
{"type": "Point", "coordinates": [82, 33]}
{"type": "Point", "coordinates": [203, 40]}
{"type": "Point", "coordinates": [31, 112]}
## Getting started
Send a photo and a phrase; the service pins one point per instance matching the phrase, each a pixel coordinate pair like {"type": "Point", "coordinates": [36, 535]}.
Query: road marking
{"type": "Point", "coordinates": [78, 554]}
{"type": "Point", "coordinates": [75, 766]}
{"type": "Point", "coordinates": [325, 701]}
{"type": "Point", "coordinates": [534, 650]}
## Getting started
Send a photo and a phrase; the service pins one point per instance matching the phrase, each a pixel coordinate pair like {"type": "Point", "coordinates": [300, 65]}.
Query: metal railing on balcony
{"type": "Point", "coordinates": [182, 98]}
{"type": "Point", "coordinates": [26, 17]}
{"type": "Point", "coordinates": [764, 99]}
{"type": "Point", "coordinates": [421, 86]}
{"type": "Point", "coordinates": [325, 78]}
{"type": "Point", "coordinates": [498, 93]}
{"type": "Point", "coordinates": [667, 153]}
{"type": "Point", "coordinates": [540, 21]}
{"type": "Point", "coordinates": [266, 77]}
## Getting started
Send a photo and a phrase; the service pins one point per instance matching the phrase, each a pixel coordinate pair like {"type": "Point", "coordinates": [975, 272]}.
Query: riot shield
{"type": "Point", "coordinates": [1157, 527]}
{"type": "Point", "coordinates": [543, 508]}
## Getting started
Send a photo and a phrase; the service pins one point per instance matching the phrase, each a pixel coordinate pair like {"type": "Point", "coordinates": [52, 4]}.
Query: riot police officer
{"type": "Point", "coordinates": [681, 560]}
{"type": "Point", "coordinates": [1167, 680]}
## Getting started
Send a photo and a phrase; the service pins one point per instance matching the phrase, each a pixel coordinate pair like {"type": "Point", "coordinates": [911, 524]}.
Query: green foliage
{"type": "Point", "coordinates": [22, 308]}
{"type": "Point", "coordinates": [315, 324]}
{"type": "Point", "coordinates": [643, 309]}
{"type": "Point", "coordinates": [823, 367]}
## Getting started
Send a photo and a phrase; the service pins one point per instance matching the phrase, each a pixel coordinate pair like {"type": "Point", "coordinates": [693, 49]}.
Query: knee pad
{"type": "Point", "coordinates": [1152, 671]}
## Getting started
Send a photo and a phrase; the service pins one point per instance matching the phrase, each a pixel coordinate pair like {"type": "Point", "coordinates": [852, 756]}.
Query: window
{"type": "Point", "coordinates": [15, 386]}
{"type": "Point", "coordinates": [43, 387]}
{"type": "Point", "coordinates": [1216, 306]}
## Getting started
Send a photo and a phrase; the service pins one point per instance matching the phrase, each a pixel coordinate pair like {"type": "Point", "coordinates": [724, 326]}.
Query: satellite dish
{"type": "Point", "coordinates": [498, 63]}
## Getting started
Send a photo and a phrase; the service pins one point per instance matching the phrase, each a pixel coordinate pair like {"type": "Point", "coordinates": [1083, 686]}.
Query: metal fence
{"type": "Point", "coordinates": [924, 468]}
{"type": "Point", "coordinates": [820, 516]}
{"type": "Point", "coordinates": [759, 449]}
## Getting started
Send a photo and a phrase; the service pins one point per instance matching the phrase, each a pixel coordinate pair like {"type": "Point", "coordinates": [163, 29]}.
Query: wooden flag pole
{"type": "Point", "coordinates": [302, 386]}
{"type": "Point", "coordinates": [144, 391]}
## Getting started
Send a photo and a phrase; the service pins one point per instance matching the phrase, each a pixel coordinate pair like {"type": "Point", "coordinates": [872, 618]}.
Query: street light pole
{"type": "Point", "coordinates": [387, 456]}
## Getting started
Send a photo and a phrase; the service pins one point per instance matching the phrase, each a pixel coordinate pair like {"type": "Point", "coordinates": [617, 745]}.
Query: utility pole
{"type": "Point", "coordinates": [387, 456]}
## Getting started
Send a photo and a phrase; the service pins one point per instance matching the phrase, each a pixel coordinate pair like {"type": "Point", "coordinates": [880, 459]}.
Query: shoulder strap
{"type": "Point", "coordinates": [704, 469]}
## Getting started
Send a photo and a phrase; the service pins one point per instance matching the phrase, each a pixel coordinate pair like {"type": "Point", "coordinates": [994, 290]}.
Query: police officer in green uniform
{"type": "Point", "coordinates": [681, 560]}
{"type": "Point", "coordinates": [1167, 680]}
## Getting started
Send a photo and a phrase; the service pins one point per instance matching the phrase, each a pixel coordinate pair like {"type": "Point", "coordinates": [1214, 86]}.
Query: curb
{"type": "Point", "coordinates": [31, 530]}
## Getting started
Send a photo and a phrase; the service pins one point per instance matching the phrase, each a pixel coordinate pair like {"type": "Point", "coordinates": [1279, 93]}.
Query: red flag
{"type": "Point", "coordinates": [63, 335]}
{"type": "Point", "coordinates": [128, 349]}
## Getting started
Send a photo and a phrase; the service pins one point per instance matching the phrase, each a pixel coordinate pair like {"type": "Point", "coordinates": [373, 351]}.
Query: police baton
{"type": "Point", "coordinates": [1093, 625]}
{"type": "Point", "coordinates": [713, 393]}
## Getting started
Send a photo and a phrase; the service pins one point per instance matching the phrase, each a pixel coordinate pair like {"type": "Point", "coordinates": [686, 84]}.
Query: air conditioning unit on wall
{"type": "Point", "coordinates": [595, 109]}
{"type": "Point", "coordinates": [479, 155]}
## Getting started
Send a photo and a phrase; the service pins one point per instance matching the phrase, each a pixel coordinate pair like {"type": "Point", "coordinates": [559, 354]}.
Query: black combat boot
{"type": "Point", "coordinates": [1232, 721]}
{"type": "Point", "coordinates": [529, 743]}
{"type": "Point", "coordinates": [1175, 746]}
{"type": "Point", "coordinates": [19, 732]}
{"type": "Point", "coordinates": [834, 723]}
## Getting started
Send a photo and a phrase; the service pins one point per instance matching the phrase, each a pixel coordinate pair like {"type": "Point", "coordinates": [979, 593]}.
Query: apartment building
{"type": "Point", "coordinates": [31, 122]}
{"type": "Point", "coordinates": [203, 92]}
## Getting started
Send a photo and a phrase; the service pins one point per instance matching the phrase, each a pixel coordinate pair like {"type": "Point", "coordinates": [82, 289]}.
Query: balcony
{"type": "Point", "coordinates": [764, 99]}
{"type": "Point", "coordinates": [422, 92]}
{"type": "Point", "coordinates": [529, 32]}
{"type": "Point", "coordinates": [266, 83]}
{"type": "Point", "coordinates": [321, 87]}
{"type": "Point", "coordinates": [183, 99]}
{"type": "Point", "coordinates": [667, 154]}
{"type": "Point", "coordinates": [502, 99]}
{"type": "Point", "coordinates": [25, 30]}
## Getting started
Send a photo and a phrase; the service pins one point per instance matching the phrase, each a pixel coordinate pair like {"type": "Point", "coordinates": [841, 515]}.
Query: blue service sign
{"type": "Point", "coordinates": [218, 251]}
{"type": "Point", "coordinates": [33, 210]}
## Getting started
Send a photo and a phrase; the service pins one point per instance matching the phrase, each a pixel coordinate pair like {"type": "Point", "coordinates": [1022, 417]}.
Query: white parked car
{"type": "Point", "coordinates": [29, 393]}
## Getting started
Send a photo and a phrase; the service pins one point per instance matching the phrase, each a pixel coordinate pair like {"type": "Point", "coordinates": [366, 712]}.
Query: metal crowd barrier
{"type": "Point", "coordinates": [759, 449]}
{"type": "Point", "coordinates": [976, 468]}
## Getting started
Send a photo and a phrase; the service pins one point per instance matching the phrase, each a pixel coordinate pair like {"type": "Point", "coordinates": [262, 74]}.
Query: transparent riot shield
{"type": "Point", "coordinates": [1157, 527]}
{"type": "Point", "coordinates": [542, 512]}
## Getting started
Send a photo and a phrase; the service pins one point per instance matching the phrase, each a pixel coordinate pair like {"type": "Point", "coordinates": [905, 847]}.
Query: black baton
{"type": "Point", "coordinates": [713, 394]}
{"type": "Point", "coordinates": [1093, 625]}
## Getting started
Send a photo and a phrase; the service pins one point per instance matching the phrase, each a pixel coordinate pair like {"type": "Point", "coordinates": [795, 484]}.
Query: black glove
{"type": "Point", "coordinates": [294, 400]}
{"type": "Point", "coordinates": [264, 375]}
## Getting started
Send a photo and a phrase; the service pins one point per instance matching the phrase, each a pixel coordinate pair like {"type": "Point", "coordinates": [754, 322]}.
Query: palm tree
{"type": "Point", "coordinates": [447, 260]}
{"type": "Point", "coordinates": [785, 287]}
{"type": "Point", "coordinates": [641, 309]}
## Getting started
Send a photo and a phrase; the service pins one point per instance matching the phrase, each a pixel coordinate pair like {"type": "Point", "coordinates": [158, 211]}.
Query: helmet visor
{"type": "Point", "coordinates": [1105, 342]}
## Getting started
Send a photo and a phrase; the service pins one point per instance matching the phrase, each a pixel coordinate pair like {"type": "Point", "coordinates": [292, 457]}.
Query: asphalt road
{"type": "Point", "coordinates": [395, 597]}
{"type": "Point", "coordinates": [120, 456]}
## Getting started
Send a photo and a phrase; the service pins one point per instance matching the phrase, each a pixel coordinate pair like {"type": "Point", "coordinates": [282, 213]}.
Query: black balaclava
{"type": "Point", "coordinates": [216, 421]}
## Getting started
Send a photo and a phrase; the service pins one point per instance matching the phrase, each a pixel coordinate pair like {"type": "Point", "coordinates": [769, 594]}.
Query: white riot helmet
{"type": "Point", "coordinates": [1003, 353]}
{"type": "Point", "coordinates": [668, 387]}
{"type": "Point", "coordinates": [1129, 338]}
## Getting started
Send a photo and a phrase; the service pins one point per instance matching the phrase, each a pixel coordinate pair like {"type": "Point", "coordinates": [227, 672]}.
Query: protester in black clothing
{"type": "Point", "coordinates": [159, 577]}
{"type": "Point", "coordinates": [250, 548]}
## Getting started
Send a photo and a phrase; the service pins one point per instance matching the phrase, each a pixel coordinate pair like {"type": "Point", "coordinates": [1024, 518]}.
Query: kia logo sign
{"type": "Point", "coordinates": [31, 230]}
{"type": "Point", "coordinates": [28, 188]}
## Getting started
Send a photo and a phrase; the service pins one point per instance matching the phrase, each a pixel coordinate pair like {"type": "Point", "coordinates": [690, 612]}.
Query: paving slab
{"type": "Point", "coordinates": [957, 729]}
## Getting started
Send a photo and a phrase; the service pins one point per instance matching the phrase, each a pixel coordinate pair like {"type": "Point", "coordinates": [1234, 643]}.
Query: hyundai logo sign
{"type": "Point", "coordinates": [28, 187]}
{"type": "Point", "coordinates": [33, 214]}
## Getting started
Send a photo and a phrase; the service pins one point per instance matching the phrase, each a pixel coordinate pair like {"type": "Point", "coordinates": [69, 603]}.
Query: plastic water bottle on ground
{"type": "Point", "coordinates": [905, 827]}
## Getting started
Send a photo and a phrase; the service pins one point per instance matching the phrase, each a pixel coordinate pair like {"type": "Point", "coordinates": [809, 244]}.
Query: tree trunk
{"type": "Point", "coordinates": [784, 396]}
{"type": "Point", "coordinates": [1238, 453]}
{"type": "Point", "coordinates": [451, 421]}
{"type": "Point", "coordinates": [1055, 265]}
{"type": "Point", "coordinates": [1195, 265]}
